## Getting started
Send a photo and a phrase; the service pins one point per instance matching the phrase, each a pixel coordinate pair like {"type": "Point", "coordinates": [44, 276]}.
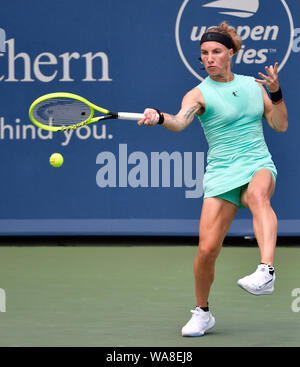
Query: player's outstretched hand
{"type": "Point", "coordinates": [271, 79]}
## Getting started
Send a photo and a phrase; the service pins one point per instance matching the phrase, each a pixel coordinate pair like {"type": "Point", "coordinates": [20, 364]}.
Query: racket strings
{"type": "Point", "coordinates": [61, 112]}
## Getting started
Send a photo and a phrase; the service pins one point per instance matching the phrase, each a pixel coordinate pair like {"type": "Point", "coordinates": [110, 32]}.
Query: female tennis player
{"type": "Point", "coordinates": [240, 171]}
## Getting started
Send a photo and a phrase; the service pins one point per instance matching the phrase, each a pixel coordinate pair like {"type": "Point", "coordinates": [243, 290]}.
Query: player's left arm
{"type": "Point", "coordinates": [274, 112]}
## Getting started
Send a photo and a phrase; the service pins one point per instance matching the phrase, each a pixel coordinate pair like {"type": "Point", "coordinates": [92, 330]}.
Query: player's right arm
{"type": "Point", "coordinates": [192, 104]}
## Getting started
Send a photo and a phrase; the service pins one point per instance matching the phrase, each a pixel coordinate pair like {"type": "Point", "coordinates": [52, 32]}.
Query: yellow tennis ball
{"type": "Point", "coordinates": [56, 160]}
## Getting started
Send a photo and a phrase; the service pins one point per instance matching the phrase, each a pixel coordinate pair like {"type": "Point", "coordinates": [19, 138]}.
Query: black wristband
{"type": "Point", "coordinates": [276, 97]}
{"type": "Point", "coordinates": [161, 117]}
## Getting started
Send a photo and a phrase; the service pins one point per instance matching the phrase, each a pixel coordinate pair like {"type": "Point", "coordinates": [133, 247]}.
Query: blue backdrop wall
{"type": "Point", "coordinates": [119, 178]}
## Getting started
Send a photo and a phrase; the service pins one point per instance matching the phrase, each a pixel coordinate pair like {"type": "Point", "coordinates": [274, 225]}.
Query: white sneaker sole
{"type": "Point", "coordinates": [210, 325]}
{"type": "Point", "coordinates": [256, 292]}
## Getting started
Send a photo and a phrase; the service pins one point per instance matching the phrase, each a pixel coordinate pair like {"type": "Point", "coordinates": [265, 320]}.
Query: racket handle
{"type": "Point", "coordinates": [130, 116]}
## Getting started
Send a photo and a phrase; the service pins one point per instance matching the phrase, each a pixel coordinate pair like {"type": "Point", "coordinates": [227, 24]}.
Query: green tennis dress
{"type": "Point", "coordinates": [232, 124]}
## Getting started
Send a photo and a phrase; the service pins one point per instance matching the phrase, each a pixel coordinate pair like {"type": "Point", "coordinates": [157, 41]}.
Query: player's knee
{"type": "Point", "coordinates": [207, 251]}
{"type": "Point", "coordinates": [257, 198]}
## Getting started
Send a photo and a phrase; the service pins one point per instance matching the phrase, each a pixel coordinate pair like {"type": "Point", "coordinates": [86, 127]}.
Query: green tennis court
{"type": "Point", "coordinates": [135, 296]}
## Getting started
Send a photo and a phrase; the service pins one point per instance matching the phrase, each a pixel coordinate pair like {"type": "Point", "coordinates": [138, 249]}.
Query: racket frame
{"type": "Point", "coordinates": [108, 114]}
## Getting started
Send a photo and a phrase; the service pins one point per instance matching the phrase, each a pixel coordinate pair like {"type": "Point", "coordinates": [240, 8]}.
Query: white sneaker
{"type": "Point", "coordinates": [260, 282]}
{"type": "Point", "coordinates": [200, 322]}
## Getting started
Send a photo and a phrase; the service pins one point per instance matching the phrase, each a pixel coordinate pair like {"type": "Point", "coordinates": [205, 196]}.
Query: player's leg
{"type": "Point", "coordinates": [216, 217]}
{"type": "Point", "coordinates": [257, 197]}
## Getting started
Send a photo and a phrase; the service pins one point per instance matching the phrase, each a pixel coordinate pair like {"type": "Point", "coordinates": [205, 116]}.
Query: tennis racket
{"type": "Point", "coordinates": [66, 111]}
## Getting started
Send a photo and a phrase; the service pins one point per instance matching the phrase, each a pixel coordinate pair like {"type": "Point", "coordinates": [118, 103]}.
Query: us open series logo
{"type": "Point", "coordinates": [267, 36]}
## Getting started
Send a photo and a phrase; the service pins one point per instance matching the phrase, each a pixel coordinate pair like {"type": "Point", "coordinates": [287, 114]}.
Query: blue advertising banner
{"type": "Point", "coordinates": [119, 178]}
